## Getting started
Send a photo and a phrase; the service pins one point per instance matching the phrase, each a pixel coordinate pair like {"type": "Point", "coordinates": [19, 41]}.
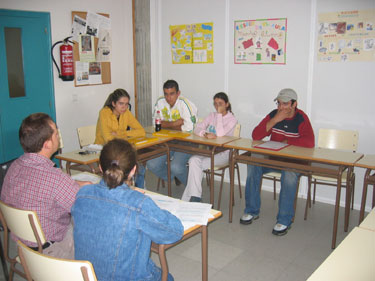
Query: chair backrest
{"type": "Point", "coordinates": [86, 135]}
{"type": "Point", "coordinates": [237, 130]}
{"type": "Point", "coordinates": [40, 267]}
{"type": "Point", "coordinates": [24, 224]}
{"type": "Point", "coordinates": [338, 139]}
{"type": "Point", "coordinates": [61, 146]}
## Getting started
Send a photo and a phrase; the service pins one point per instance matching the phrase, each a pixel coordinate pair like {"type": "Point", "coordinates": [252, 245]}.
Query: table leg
{"type": "Point", "coordinates": [204, 253]}
{"type": "Point", "coordinates": [348, 197]}
{"type": "Point", "coordinates": [169, 171]}
{"type": "Point", "coordinates": [231, 179]}
{"type": "Point", "coordinates": [364, 195]}
{"type": "Point", "coordinates": [308, 199]}
{"type": "Point", "coordinates": [337, 209]}
{"type": "Point", "coordinates": [67, 167]}
{"type": "Point", "coordinates": [212, 182]}
{"type": "Point", "coordinates": [163, 263]}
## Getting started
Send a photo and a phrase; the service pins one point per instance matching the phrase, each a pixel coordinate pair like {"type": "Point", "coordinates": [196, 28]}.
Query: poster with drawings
{"type": "Point", "coordinates": [261, 41]}
{"type": "Point", "coordinates": [346, 36]}
{"type": "Point", "coordinates": [192, 43]}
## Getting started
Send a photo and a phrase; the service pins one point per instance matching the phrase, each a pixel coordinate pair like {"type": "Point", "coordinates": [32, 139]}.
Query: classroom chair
{"type": "Point", "coordinates": [86, 136]}
{"type": "Point", "coordinates": [220, 170]}
{"type": "Point", "coordinates": [334, 139]}
{"type": "Point", "coordinates": [25, 225]}
{"type": "Point", "coordinates": [40, 267]}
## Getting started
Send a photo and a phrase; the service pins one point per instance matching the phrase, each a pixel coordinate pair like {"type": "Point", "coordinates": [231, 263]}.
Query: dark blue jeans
{"type": "Point", "coordinates": [289, 181]}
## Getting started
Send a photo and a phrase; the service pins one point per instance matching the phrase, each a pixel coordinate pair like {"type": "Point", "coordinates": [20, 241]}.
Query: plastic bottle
{"type": "Point", "coordinates": [157, 121]}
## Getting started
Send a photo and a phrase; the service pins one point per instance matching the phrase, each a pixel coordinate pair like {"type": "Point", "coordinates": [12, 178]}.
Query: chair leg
{"type": "Point", "coordinates": [274, 188]}
{"type": "Point", "coordinates": [3, 262]}
{"type": "Point", "coordinates": [221, 189]}
{"type": "Point", "coordinates": [373, 196]}
{"type": "Point", "coordinates": [353, 188]}
{"type": "Point", "coordinates": [308, 200]}
{"type": "Point", "coordinates": [239, 180]}
{"type": "Point", "coordinates": [314, 191]}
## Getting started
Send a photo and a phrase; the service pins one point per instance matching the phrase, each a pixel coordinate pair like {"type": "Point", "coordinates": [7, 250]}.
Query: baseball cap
{"type": "Point", "coordinates": [286, 95]}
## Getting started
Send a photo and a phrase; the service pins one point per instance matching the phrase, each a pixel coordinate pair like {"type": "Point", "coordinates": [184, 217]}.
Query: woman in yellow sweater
{"type": "Point", "coordinates": [116, 121]}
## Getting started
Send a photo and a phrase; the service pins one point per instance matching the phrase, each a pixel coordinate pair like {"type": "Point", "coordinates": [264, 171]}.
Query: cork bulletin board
{"type": "Point", "coordinates": [105, 66]}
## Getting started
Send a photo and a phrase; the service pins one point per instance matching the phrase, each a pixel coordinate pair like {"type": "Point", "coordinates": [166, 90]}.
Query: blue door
{"type": "Point", "coordinates": [26, 81]}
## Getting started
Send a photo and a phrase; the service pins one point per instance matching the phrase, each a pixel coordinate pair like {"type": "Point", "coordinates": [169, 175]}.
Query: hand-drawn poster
{"type": "Point", "coordinates": [192, 43]}
{"type": "Point", "coordinates": [346, 36]}
{"type": "Point", "coordinates": [260, 41]}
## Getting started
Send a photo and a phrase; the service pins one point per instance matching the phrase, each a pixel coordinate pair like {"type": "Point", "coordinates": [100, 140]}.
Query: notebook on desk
{"type": "Point", "coordinates": [141, 140]}
{"type": "Point", "coordinates": [272, 145]}
{"type": "Point", "coordinates": [171, 133]}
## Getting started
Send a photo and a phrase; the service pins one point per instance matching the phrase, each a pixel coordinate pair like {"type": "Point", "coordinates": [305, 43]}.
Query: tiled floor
{"type": "Point", "coordinates": [251, 252]}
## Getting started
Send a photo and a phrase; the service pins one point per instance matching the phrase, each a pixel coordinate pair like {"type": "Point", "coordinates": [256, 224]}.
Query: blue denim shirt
{"type": "Point", "coordinates": [113, 229]}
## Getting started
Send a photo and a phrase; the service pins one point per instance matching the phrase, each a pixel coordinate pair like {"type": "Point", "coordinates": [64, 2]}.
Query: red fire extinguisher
{"type": "Point", "coordinates": [66, 60]}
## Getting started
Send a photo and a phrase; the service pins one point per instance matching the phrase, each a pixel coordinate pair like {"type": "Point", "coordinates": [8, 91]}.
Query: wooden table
{"type": "Point", "coordinates": [146, 150]}
{"type": "Point", "coordinates": [197, 145]}
{"type": "Point", "coordinates": [354, 259]}
{"type": "Point", "coordinates": [298, 159]}
{"type": "Point", "coordinates": [367, 162]}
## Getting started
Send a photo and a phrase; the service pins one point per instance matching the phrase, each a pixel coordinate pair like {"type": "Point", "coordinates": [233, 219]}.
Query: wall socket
{"type": "Point", "coordinates": [74, 97]}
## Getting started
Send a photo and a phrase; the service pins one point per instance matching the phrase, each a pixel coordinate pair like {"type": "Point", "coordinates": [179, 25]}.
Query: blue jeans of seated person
{"type": "Point", "coordinates": [289, 181]}
{"type": "Point", "coordinates": [140, 177]}
{"type": "Point", "coordinates": [178, 166]}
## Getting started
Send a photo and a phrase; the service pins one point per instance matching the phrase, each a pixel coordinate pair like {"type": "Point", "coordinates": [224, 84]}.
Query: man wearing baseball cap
{"type": "Point", "coordinates": [286, 124]}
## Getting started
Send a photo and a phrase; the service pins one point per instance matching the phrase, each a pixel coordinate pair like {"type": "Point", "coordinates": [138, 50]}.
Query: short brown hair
{"type": "Point", "coordinates": [35, 130]}
{"type": "Point", "coordinates": [117, 159]}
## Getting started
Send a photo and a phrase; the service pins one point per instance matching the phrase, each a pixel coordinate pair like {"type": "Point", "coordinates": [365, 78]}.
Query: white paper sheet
{"type": "Point", "coordinates": [189, 213]}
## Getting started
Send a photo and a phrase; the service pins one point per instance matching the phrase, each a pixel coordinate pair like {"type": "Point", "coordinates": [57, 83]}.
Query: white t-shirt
{"type": "Point", "coordinates": [183, 108]}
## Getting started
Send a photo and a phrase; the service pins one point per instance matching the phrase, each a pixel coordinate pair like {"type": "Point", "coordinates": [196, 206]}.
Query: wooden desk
{"type": "Point", "coordinates": [200, 146]}
{"type": "Point", "coordinates": [205, 147]}
{"type": "Point", "coordinates": [297, 159]}
{"type": "Point", "coordinates": [354, 259]}
{"type": "Point", "coordinates": [145, 151]}
{"type": "Point", "coordinates": [367, 162]}
{"type": "Point", "coordinates": [161, 248]}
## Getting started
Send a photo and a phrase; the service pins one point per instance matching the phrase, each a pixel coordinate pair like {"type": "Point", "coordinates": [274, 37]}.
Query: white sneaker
{"type": "Point", "coordinates": [247, 218]}
{"type": "Point", "coordinates": [280, 229]}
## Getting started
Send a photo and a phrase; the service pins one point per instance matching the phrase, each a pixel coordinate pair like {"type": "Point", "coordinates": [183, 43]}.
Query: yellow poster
{"type": "Point", "coordinates": [346, 36]}
{"type": "Point", "coordinates": [192, 43]}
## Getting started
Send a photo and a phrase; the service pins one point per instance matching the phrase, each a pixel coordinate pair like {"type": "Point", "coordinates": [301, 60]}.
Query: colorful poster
{"type": "Point", "coordinates": [192, 43]}
{"type": "Point", "coordinates": [346, 36]}
{"type": "Point", "coordinates": [260, 41]}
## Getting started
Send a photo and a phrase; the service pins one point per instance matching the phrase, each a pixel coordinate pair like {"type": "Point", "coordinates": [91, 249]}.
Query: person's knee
{"type": "Point", "coordinates": [153, 164]}
{"type": "Point", "coordinates": [291, 178]}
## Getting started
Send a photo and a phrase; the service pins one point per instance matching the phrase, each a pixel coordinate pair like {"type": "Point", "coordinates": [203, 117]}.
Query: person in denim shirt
{"type": "Point", "coordinates": [114, 225]}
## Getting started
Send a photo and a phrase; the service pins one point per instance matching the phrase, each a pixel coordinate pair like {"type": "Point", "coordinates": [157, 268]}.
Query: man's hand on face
{"type": "Point", "coordinates": [281, 114]}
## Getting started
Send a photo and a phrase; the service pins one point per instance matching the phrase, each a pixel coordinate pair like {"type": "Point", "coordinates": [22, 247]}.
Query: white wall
{"type": "Point", "coordinates": [72, 114]}
{"type": "Point", "coordinates": [335, 95]}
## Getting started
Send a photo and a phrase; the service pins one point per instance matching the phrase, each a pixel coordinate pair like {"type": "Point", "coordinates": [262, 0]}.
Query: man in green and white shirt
{"type": "Point", "coordinates": [178, 113]}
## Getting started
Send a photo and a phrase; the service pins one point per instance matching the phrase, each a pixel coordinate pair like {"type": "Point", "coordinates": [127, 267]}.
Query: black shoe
{"type": "Point", "coordinates": [195, 199]}
{"type": "Point", "coordinates": [248, 219]}
{"type": "Point", "coordinates": [177, 181]}
{"type": "Point", "coordinates": [280, 229]}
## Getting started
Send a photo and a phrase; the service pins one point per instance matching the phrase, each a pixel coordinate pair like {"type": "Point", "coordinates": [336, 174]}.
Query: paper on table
{"type": "Point", "coordinates": [93, 147]}
{"type": "Point", "coordinates": [85, 176]}
{"type": "Point", "coordinates": [189, 213]}
{"type": "Point", "coordinates": [273, 145]}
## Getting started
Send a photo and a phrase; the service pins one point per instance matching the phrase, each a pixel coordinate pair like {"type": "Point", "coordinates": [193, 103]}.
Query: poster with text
{"type": "Point", "coordinates": [260, 41]}
{"type": "Point", "coordinates": [192, 43]}
{"type": "Point", "coordinates": [346, 36]}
